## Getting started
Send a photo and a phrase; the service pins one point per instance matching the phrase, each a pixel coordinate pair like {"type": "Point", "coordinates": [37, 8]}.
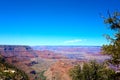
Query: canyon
{"type": "Point", "coordinates": [49, 62]}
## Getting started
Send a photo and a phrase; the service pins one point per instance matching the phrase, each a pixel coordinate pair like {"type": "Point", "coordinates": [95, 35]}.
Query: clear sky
{"type": "Point", "coordinates": [54, 22]}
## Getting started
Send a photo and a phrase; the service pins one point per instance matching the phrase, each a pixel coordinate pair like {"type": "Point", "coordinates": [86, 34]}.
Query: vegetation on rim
{"type": "Point", "coordinates": [9, 71]}
{"type": "Point", "coordinates": [113, 48]}
{"type": "Point", "coordinates": [92, 71]}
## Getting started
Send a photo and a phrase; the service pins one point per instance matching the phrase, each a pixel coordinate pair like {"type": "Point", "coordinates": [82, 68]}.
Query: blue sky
{"type": "Point", "coordinates": [54, 22]}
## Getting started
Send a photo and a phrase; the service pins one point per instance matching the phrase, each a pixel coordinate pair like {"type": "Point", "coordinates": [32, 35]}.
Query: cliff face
{"type": "Point", "coordinates": [46, 54]}
{"type": "Point", "coordinates": [17, 52]}
{"type": "Point", "coordinates": [59, 71]}
{"type": "Point", "coordinates": [18, 56]}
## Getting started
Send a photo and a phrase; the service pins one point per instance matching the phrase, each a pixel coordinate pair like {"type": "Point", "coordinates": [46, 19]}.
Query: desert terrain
{"type": "Point", "coordinates": [49, 62]}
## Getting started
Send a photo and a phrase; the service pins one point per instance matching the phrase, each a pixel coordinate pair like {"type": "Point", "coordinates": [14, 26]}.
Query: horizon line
{"type": "Point", "coordinates": [46, 45]}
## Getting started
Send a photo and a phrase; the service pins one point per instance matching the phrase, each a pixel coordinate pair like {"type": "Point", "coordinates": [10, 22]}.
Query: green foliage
{"type": "Point", "coordinates": [41, 76]}
{"type": "Point", "coordinates": [76, 73]}
{"type": "Point", "coordinates": [92, 71]}
{"type": "Point", "coordinates": [19, 74]}
{"type": "Point", "coordinates": [113, 48]}
{"type": "Point", "coordinates": [113, 20]}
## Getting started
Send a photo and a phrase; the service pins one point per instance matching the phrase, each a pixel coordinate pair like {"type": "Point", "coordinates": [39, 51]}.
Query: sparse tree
{"type": "Point", "coordinates": [113, 48]}
{"type": "Point", "coordinates": [92, 71]}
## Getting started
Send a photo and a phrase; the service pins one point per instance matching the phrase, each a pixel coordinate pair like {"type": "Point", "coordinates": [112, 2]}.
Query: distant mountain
{"type": "Point", "coordinates": [16, 51]}
{"type": "Point", "coordinates": [22, 53]}
{"type": "Point", "coordinates": [72, 52]}
{"type": "Point", "coordinates": [88, 49]}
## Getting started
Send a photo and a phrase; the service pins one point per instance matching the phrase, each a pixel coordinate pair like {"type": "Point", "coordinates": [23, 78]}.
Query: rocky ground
{"type": "Point", "coordinates": [48, 63]}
